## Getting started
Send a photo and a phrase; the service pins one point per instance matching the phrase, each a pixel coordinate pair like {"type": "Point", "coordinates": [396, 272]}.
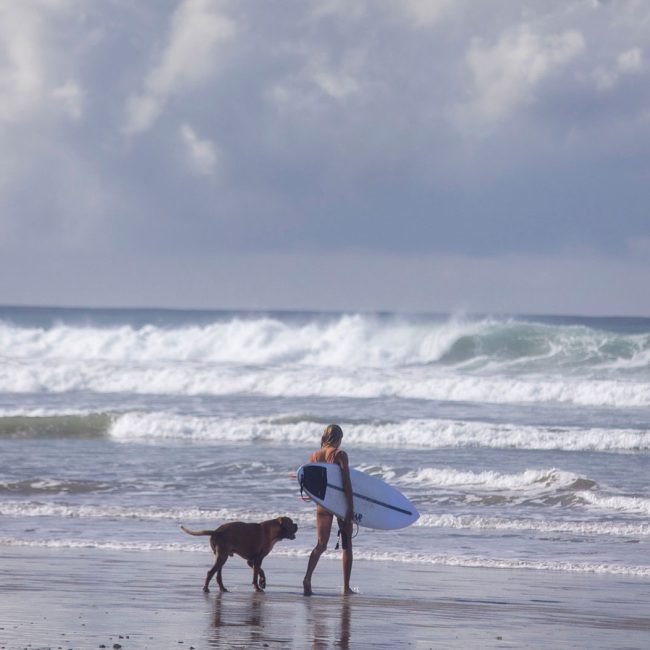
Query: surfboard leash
{"type": "Point", "coordinates": [338, 536]}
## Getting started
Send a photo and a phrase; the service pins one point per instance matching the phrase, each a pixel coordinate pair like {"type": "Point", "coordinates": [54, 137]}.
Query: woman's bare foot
{"type": "Point", "coordinates": [306, 586]}
{"type": "Point", "coordinates": [348, 591]}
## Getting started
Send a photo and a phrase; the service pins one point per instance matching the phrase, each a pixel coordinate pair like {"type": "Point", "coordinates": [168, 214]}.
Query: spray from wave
{"type": "Point", "coordinates": [482, 360]}
{"type": "Point", "coordinates": [349, 340]}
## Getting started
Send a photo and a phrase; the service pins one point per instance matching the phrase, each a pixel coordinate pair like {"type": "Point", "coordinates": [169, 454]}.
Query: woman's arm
{"type": "Point", "coordinates": [342, 460]}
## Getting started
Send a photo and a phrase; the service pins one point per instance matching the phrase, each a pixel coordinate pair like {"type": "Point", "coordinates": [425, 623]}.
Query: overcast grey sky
{"type": "Point", "coordinates": [413, 155]}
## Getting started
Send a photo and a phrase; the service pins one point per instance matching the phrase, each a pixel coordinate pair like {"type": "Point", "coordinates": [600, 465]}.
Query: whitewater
{"type": "Point", "coordinates": [523, 441]}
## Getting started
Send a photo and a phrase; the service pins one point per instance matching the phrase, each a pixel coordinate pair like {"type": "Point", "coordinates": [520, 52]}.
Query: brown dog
{"type": "Point", "coordinates": [253, 542]}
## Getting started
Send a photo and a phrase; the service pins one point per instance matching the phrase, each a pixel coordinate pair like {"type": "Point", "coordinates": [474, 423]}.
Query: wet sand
{"type": "Point", "coordinates": [89, 598]}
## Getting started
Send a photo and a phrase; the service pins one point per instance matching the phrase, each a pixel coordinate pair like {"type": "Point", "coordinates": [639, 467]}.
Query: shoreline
{"type": "Point", "coordinates": [89, 598]}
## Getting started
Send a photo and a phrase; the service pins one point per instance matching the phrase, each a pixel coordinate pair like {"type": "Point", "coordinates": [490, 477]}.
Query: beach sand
{"type": "Point", "coordinates": [90, 598]}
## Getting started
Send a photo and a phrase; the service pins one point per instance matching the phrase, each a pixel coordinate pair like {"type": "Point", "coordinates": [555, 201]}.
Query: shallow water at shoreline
{"type": "Point", "coordinates": [88, 598]}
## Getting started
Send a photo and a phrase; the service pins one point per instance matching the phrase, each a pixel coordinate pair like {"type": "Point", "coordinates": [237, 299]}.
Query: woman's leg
{"type": "Point", "coordinates": [346, 545]}
{"type": "Point", "coordinates": [323, 529]}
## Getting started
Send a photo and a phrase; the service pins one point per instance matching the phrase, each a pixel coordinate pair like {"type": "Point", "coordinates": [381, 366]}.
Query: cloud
{"type": "Point", "coordinates": [337, 84]}
{"type": "Point", "coordinates": [420, 13]}
{"type": "Point", "coordinates": [71, 98]}
{"type": "Point", "coordinates": [190, 56]}
{"type": "Point", "coordinates": [201, 152]}
{"type": "Point", "coordinates": [23, 76]}
{"type": "Point", "coordinates": [322, 80]}
{"type": "Point", "coordinates": [504, 75]}
{"type": "Point", "coordinates": [361, 131]}
{"type": "Point", "coordinates": [424, 13]}
{"type": "Point", "coordinates": [37, 89]}
{"type": "Point", "coordinates": [31, 63]}
{"type": "Point", "coordinates": [630, 61]}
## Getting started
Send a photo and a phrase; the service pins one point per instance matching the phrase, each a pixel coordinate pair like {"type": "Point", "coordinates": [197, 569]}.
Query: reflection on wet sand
{"type": "Point", "coordinates": [321, 635]}
{"type": "Point", "coordinates": [259, 619]}
{"type": "Point", "coordinates": [230, 614]}
{"type": "Point", "coordinates": [344, 636]}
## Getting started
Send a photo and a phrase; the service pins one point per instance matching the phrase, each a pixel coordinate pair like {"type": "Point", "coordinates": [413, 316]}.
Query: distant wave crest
{"type": "Point", "coordinates": [347, 340]}
{"type": "Point", "coordinates": [354, 356]}
{"type": "Point", "coordinates": [303, 429]}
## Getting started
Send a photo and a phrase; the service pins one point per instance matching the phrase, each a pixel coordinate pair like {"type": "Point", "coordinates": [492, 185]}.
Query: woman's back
{"type": "Point", "coordinates": [325, 455]}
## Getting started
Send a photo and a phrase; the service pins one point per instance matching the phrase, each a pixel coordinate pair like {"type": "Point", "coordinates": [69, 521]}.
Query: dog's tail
{"type": "Point", "coordinates": [197, 533]}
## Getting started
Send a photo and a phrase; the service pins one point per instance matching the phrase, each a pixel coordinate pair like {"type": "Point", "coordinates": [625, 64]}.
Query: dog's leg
{"type": "Point", "coordinates": [252, 563]}
{"type": "Point", "coordinates": [208, 577]}
{"type": "Point", "coordinates": [221, 560]}
{"type": "Point", "coordinates": [259, 579]}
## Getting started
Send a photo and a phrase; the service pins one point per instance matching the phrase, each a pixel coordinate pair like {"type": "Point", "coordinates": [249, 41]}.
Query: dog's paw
{"type": "Point", "coordinates": [262, 582]}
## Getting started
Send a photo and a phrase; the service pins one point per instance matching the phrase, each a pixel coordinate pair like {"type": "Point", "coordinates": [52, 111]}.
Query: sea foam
{"type": "Point", "coordinates": [351, 355]}
{"type": "Point", "coordinates": [429, 433]}
{"type": "Point", "coordinates": [298, 381]}
{"type": "Point", "coordinates": [305, 517]}
{"type": "Point", "coordinates": [300, 428]}
{"type": "Point", "coordinates": [468, 561]}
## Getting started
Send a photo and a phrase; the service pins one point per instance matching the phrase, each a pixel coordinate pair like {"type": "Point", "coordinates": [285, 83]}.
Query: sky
{"type": "Point", "coordinates": [407, 155]}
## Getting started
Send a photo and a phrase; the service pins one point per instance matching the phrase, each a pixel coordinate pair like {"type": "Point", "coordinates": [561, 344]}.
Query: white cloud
{"type": "Point", "coordinates": [337, 81]}
{"type": "Point", "coordinates": [337, 85]}
{"type": "Point", "coordinates": [424, 13]}
{"type": "Point", "coordinates": [504, 75]}
{"type": "Point", "coordinates": [189, 57]}
{"type": "Point", "coordinates": [333, 75]}
{"type": "Point", "coordinates": [630, 61]}
{"type": "Point", "coordinates": [421, 13]}
{"type": "Point", "coordinates": [29, 63]}
{"type": "Point", "coordinates": [350, 9]}
{"type": "Point", "coordinates": [604, 78]}
{"type": "Point", "coordinates": [202, 152]}
{"type": "Point", "coordinates": [71, 98]}
{"type": "Point", "coordinates": [22, 68]}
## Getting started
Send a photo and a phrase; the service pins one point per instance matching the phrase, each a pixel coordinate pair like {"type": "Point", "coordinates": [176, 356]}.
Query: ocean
{"type": "Point", "coordinates": [523, 441]}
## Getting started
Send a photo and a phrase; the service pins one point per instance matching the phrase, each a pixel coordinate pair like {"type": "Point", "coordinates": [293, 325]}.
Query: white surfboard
{"type": "Point", "coordinates": [376, 504]}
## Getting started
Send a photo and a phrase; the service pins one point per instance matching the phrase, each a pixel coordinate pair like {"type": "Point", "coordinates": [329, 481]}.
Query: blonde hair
{"type": "Point", "coordinates": [333, 434]}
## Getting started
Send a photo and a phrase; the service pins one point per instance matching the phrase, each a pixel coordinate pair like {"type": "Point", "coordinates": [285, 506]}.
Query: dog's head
{"type": "Point", "coordinates": [287, 528]}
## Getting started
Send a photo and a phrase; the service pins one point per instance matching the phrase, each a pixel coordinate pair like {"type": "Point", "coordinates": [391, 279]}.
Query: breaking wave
{"type": "Point", "coordinates": [483, 360]}
{"type": "Point", "coordinates": [309, 381]}
{"type": "Point", "coordinates": [474, 522]}
{"type": "Point", "coordinates": [430, 434]}
{"type": "Point", "coordinates": [346, 340]}
{"type": "Point", "coordinates": [306, 517]}
{"type": "Point", "coordinates": [300, 429]}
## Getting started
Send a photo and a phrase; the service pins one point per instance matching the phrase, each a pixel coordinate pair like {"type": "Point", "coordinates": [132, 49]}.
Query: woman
{"type": "Point", "coordinates": [330, 452]}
